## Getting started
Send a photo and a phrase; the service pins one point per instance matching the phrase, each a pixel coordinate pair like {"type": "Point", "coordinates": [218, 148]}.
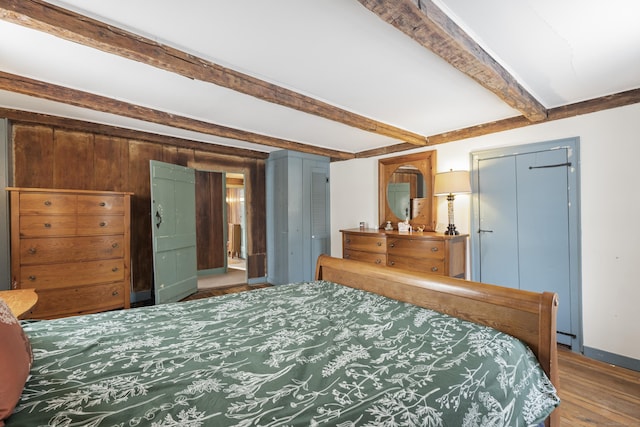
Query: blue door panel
{"type": "Point", "coordinates": [173, 231]}
{"type": "Point", "coordinates": [543, 232]}
{"type": "Point", "coordinates": [523, 216]}
{"type": "Point", "coordinates": [498, 222]}
{"type": "Point", "coordinates": [317, 237]}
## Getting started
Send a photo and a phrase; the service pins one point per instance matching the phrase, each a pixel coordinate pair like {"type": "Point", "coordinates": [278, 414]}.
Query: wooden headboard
{"type": "Point", "coordinates": [528, 316]}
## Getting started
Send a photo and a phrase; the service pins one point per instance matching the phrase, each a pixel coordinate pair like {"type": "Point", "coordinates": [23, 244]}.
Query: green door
{"type": "Point", "coordinates": [173, 211]}
{"type": "Point", "coordinates": [399, 198]}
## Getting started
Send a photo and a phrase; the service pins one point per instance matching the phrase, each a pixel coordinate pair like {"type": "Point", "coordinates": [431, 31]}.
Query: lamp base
{"type": "Point", "coordinates": [451, 230]}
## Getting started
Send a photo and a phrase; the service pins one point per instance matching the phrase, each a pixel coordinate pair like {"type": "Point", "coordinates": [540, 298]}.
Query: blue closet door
{"type": "Point", "coordinates": [543, 229]}
{"type": "Point", "coordinates": [523, 217]}
{"type": "Point", "coordinates": [498, 229]}
{"type": "Point", "coordinates": [317, 231]}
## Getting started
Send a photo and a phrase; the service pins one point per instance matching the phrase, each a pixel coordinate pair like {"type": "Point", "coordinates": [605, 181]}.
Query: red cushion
{"type": "Point", "coordinates": [15, 361]}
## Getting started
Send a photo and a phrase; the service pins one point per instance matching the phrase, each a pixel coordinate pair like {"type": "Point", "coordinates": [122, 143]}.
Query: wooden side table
{"type": "Point", "coordinates": [20, 301]}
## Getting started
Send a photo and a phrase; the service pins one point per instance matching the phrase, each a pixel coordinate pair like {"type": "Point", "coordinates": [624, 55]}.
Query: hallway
{"type": "Point", "coordinates": [236, 275]}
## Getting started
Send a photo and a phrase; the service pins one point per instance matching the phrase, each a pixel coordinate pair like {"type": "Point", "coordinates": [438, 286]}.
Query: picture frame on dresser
{"type": "Point", "coordinates": [72, 247]}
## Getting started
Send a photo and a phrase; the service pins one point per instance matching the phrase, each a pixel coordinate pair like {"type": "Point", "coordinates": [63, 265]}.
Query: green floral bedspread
{"type": "Point", "coordinates": [303, 354]}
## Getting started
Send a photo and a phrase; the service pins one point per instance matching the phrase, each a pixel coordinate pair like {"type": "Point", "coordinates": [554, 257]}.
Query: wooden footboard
{"type": "Point", "coordinates": [529, 316]}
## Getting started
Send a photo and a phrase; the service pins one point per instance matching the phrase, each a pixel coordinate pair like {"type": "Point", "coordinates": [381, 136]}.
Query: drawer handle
{"type": "Point", "coordinates": [47, 225]}
{"type": "Point", "coordinates": [378, 261]}
{"type": "Point", "coordinates": [32, 278]}
{"type": "Point", "coordinates": [348, 240]}
{"type": "Point", "coordinates": [32, 251]}
{"type": "Point", "coordinates": [114, 293]}
{"type": "Point", "coordinates": [392, 245]}
{"type": "Point", "coordinates": [392, 263]}
{"type": "Point", "coordinates": [434, 249]}
{"type": "Point", "coordinates": [102, 224]}
{"type": "Point", "coordinates": [379, 243]}
{"type": "Point", "coordinates": [115, 245]}
{"type": "Point", "coordinates": [347, 256]}
{"type": "Point", "coordinates": [114, 269]}
{"type": "Point", "coordinates": [434, 269]}
{"type": "Point", "coordinates": [102, 204]}
{"type": "Point", "coordinates": [47, 202]}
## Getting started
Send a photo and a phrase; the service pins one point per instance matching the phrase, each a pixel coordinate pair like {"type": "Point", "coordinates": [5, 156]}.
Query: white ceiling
{"type": "Point", "coordinates": [336, 51]}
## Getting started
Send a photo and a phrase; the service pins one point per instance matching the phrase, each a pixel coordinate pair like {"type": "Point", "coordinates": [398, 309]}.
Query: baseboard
{"type": "Point", "coordinates": [211, 271]}
{"type": "Point", "coordinates": [257, 280]}
{"type": "Point", "coordinates": [612, 358]}
{"type": "Point", "coordinates": [137, 297]}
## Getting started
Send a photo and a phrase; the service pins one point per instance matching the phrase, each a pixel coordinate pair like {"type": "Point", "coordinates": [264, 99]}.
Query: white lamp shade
{"type": "Point", "coordinates": [452, 182]}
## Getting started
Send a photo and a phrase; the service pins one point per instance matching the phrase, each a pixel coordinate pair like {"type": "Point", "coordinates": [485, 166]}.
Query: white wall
{"type": "Point", "coordinates": [610, 207]}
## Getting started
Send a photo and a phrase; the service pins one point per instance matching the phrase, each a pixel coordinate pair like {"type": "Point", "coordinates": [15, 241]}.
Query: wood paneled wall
{"type": "Point", "coordinates": [49, 156]}
{"type": "Point", "coordinates": [210, 224]}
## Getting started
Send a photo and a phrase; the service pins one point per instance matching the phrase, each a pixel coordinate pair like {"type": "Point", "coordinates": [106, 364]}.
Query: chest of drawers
{"type": "Point", "coordinates": [429, 252]}
{"type": "Point", "coordinates": [72, 247]}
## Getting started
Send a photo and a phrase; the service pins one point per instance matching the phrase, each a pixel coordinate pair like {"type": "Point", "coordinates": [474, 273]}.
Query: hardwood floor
{"type": "Point", "coordinates": [213, 292]}
{"type": "Point", "coordinates": [592, 393]}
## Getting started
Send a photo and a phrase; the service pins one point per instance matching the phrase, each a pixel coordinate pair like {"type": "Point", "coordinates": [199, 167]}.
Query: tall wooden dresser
{"type": "Point", "coordinates": [73, 248]}
{"type": "Point", "coordinates": [419, 251]}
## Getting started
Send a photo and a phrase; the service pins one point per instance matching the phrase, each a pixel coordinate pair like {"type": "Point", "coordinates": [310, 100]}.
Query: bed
{"type": "Point", "coordinates": [359, 346]}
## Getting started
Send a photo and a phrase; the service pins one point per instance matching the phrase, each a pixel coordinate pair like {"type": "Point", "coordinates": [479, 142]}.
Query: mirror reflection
{"type": "Point", "coordinates": [406, 191]}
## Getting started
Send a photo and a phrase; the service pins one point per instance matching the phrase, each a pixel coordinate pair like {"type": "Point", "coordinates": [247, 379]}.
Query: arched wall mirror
{"type": "Point", "coordinates": [405, 190]}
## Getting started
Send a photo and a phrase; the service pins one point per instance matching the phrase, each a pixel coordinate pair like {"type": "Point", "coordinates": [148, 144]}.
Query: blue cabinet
{"type": "Point", "coordinates": [298, 228]}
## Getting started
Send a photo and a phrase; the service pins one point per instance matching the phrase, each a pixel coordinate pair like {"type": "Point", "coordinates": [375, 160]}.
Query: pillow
{"type": "Point", "coordinates": [15, 361]}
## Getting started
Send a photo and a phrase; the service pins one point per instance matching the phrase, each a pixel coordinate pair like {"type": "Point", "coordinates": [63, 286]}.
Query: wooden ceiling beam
{"type": "Point", "coordinates": [20, 116]}
{"type": "Point", "coordinates": [38, 15]}
{"type": "Point", "coordinates": [51, 92]}
{"type": "Point", "coordinates": [620, 99]}
{"type": "Point", "coordinates": [425, 23]}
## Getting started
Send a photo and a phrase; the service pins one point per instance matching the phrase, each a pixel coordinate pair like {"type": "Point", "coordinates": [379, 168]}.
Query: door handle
{"type": "Point", "coordinates": [485, 231]}
{"type": "Point", "coordinates": [158, 219]}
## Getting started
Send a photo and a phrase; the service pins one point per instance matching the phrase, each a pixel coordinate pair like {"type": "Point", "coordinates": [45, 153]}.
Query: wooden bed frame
{"type": "Point", "coordinates": [528, 316]}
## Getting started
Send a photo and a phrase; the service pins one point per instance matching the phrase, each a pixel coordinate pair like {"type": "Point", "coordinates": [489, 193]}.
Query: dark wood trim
{"type": "Point", "coordinates": [607, 102]}
{"type": "Point", "coordinates": [431, 26]}
{"type": "Point", "coordinates": [585, 107]}
{"type": "Point", "coordinates": [69, 25]}
{"type": "Point", "coordinates": [571, 110]}
{"type": "Point", "coordinates": [425, 23]}
{"type": "Point", "coordinates": [52, 92]}
{"type": "Point", "coordinates": [26, 117]}
{"type": "Point", "coordinates": [389, 149]}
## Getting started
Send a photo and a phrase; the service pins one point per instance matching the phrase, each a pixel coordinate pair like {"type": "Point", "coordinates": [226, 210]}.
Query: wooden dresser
{"type": "Point", "coordinates": [419, 251]}
{"type": "Point", "coordinates": [72, 247]}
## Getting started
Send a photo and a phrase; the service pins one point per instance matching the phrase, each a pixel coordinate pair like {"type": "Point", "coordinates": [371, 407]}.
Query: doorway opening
{"type": "Point", "coordinates": [224, 227]}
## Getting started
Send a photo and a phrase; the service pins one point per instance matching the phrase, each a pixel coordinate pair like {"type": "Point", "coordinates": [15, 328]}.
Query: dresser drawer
{"type": "Point", "coordinates": [372, 257]}
{"type": "Point", "coordinates": [71, 274]}
{"type": "Point", "coordinates": [100, 204]}
{"type": "Point", "coordinates": [365, 243]}
{"type": "Point", "coordinates": [70, 249]}
{"type": "Point", "coordinates": [79, 300]}
{"type": "Point", "coordinates": [47, 225]}
{"type": "Point", "coordinates": [100, 224]}
{"type": "Point", "coordinates": [416, 248]}
{"type": "Point", "coordinates": [428, 265]}
{"type": "Point", "coordinates": [47, 203]}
